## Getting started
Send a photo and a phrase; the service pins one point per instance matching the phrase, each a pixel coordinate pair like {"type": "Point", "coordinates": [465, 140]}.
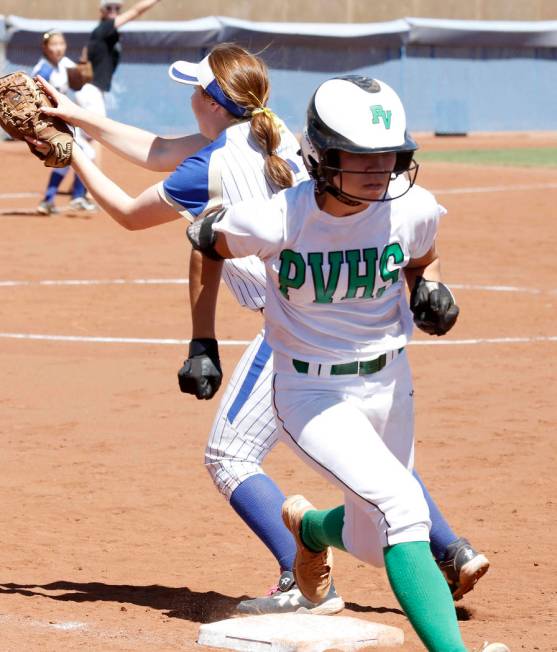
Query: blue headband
{"type": "Point", "coordinates": [201, 74]}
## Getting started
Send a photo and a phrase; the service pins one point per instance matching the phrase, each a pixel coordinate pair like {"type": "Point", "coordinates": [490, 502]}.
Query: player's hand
{"type": "Point", "coordinates": [201, 374]}
{"type": "Point", "coordinates": [63, 107]}
{"type": "Point", "coordinates": [39, 145]}
{"type": "Point", "coordinates": [432, 303]}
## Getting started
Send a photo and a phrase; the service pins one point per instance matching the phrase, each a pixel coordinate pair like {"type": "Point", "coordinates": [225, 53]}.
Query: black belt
{"type": "Point", "coordinates": [356, 368]}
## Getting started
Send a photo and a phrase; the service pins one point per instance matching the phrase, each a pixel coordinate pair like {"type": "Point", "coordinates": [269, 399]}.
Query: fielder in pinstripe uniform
{"type": "Point", "coordinates": [243, 151]}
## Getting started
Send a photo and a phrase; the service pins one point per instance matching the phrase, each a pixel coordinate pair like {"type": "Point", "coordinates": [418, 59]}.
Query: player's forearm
{"type": "Point", "coordinates": [106, 193]}
{"type": "Point", "coordinates": [133, 213]}
{"type": "Point", "coordinates": [140, 147]}
{"type": "Point", "coordinates": [204, 281]}
{"type": "Point", "coordinates": [431, 272]}
{"type": "Point", "coordinates": [131, 143]}
{"type": "Point", "coordinates": [428, 266]}
{"type": "Point", "coordinates": [144, 5]}
{"type": "Point", "coordinates": [134, 12]}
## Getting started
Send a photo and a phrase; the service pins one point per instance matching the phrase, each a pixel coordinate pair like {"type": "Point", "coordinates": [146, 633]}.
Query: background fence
{"type": "Point", "coordinates": [453, 76]}
{"type": "Point", "coordinates": [324, 11]}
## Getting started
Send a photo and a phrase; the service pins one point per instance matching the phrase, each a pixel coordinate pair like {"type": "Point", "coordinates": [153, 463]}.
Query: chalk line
{"type": "Point", "coordinates": [114, 281]}
{"type": "Point", "coordinates": [488, 189]}
{"type": "Point", "coordinates": [185, 281]}
{"type": "Point", "coordinates": [174, 341]}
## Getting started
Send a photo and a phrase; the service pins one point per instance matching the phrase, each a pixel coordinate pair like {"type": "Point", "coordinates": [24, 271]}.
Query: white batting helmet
{"type": "Point", "coordinates": [359, 115]}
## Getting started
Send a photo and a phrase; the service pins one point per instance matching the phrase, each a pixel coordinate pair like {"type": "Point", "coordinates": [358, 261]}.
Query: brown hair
{"type": "Point", "coordinates": [244, 78]}
{"type": "Point", "coordinates": [48, 35]}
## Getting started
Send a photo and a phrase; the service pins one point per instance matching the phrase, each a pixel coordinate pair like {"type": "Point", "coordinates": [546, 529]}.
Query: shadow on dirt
{"type": "Point", "coordinates": [179, 602]}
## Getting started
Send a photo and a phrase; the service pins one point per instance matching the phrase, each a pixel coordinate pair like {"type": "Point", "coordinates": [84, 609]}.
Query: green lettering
{"type": "Point", "coordinates": [357, 280]}
{"type": "Point", "coordinates": [324, 293]}
{"type": "Point", "coordinates": [292, 273]}
{"type": "Point", "coordinates": [394, 253]}
{"type": "Point", "coordinates": [378, 112]}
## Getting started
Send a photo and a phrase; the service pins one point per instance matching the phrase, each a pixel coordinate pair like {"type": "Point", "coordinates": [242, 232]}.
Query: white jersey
{"type": "Point", "coordinates": [335, 289]}
{"type": "Point", "coordinates": [56, 75]}
{"type": "Point", "coordinates": [230, 170]}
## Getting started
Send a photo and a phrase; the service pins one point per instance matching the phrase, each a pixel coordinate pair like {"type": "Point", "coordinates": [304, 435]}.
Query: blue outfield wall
{"type": "Point", "coordinates": [453, 76]}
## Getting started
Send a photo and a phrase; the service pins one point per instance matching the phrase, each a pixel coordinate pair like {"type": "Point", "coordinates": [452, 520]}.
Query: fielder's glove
{"type": "Point", "coordinates": [201, 373]}
{"type": "Point", "coordinates": [21, 101]}
{"type": "Point", "coordinates": [432, 303]}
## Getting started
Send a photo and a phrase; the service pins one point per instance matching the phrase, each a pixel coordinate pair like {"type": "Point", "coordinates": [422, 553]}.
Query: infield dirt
{"type": "Point", "coordinates": [113, 537]}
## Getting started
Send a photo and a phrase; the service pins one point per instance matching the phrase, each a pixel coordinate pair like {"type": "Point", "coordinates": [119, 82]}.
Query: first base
{"type": "Point", "coordinates": [298, 633]}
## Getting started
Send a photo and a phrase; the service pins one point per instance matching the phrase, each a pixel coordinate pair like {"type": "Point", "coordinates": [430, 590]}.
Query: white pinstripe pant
{"type": "Point", "coordinates": [244, 429]}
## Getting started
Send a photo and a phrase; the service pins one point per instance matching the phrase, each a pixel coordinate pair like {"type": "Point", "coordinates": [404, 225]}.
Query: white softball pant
{"type": "Point", "coordinates": [244, 429]}
{"type": "Point", "coordinates": [358, 432]}
{"type": "Point", "coordinates": [91, 98]}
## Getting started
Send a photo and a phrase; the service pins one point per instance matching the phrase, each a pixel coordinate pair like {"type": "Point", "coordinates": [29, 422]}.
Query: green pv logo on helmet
{"type": "Point", "coordinates": [379, 113]}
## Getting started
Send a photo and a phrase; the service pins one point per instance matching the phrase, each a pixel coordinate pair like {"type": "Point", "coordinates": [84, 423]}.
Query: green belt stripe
{"type": "Point", "coordinates": [349, 368]}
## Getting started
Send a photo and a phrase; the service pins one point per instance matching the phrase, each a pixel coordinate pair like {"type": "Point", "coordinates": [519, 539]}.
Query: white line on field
{"type": "Point", "coordinates": [18, 195]}
{"type": "Point", "coordinates": [110, 340]}
{"type": "Point", "coordinates": [479, 189]}
{"type": "Point", "coordinates": [441, 191]}
{"type": "Point", "coordinates": [68, 626]}
{"type": "Point", "coordinates": [170, 341]}
{"type": "Point", "coordinates": [87, 631]}
{"type": "Point", "coordinates": [114, 281]}
{"type": "Point", "coordinates": [501, 288]}
{"type": "Point", "coordinates": [185, 281]}
{"type": "Point", "coordinates": [488, 340]}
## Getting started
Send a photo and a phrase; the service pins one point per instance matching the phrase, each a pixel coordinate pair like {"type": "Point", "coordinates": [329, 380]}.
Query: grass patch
{"type": "Point", "coordinates": [516, 157]}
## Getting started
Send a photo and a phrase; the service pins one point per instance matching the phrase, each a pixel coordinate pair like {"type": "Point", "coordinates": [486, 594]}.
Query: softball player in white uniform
{"type": "Point", "coordinates": [229, 168]}
{"type": "Point", "coordinates": [337, 251]}
{"type": "Point", "coordinates": [244, 429]}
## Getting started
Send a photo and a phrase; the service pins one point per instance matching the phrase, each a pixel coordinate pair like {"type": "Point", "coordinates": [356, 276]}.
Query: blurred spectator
{"type": "Point", "coordinates": [104, 52]}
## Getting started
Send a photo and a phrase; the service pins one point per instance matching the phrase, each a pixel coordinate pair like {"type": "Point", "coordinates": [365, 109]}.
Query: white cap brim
{"type": "Point", "coordinates": [201, 74]}
{"type": "Point", "coordinates": [185, 72]}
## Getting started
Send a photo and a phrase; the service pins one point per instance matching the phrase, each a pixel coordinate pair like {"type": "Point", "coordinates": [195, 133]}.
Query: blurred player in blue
{"type": "Point", "coordinates": [53, 66]}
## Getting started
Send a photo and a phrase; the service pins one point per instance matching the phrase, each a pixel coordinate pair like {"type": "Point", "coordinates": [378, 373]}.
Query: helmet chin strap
{"type": "Point", "coordinates": [340, 196]}
{"type": "Point", "coordinates": [324, 185]}
{"type": "Point", "coordinates": [350, 200]}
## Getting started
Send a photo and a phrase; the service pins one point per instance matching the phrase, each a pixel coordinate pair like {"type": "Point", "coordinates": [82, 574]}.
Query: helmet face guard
{"type": "Point", "coordinates": [399, 182]}
{"type": "Point", "coordinates": [358, 115]}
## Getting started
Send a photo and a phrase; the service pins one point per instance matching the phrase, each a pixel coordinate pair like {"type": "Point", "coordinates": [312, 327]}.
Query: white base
{"type": "Point", "coordinates": [298, 633]}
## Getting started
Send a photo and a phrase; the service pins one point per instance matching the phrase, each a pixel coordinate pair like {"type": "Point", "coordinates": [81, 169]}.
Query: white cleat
{"type": "Point", "coordinates": [287, 598]}
{"type": "Point", "coordinates": [494, 647]}
{"type": "Point", "coordinates": [82, 204]}
{"type": "Point", "coordinates": [291, 602]}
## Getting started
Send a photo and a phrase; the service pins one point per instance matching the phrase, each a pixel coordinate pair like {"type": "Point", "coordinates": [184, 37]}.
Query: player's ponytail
{"type": "Point", "coordinates": [244, 78]}
{"type": "Point", "coordinates": [265, 127]}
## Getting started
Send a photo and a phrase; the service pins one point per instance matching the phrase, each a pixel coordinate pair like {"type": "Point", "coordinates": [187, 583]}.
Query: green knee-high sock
{"type": "Point", "coordinates": [424, 595]}
{"type": "Point", "coordinates": [322, 528]}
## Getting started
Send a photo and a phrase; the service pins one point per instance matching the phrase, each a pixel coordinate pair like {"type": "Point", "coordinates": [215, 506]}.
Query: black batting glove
{"type": "Point", "coordinates": [433, 306]}
{"type": "Point", "coordinates": [201, 374]}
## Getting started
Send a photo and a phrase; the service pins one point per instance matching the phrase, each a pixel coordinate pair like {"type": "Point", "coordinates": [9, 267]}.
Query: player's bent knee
{"type": "Point", "coordinates": [402, 518]}
{"type": "Point", "coordinates": [227, 473]}
{"type": "Point", "coordinates": [411, 511]}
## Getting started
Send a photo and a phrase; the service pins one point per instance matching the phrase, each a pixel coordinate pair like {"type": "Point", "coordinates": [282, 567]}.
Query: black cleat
{"type": "Point", "coordinates": [463, 567]}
